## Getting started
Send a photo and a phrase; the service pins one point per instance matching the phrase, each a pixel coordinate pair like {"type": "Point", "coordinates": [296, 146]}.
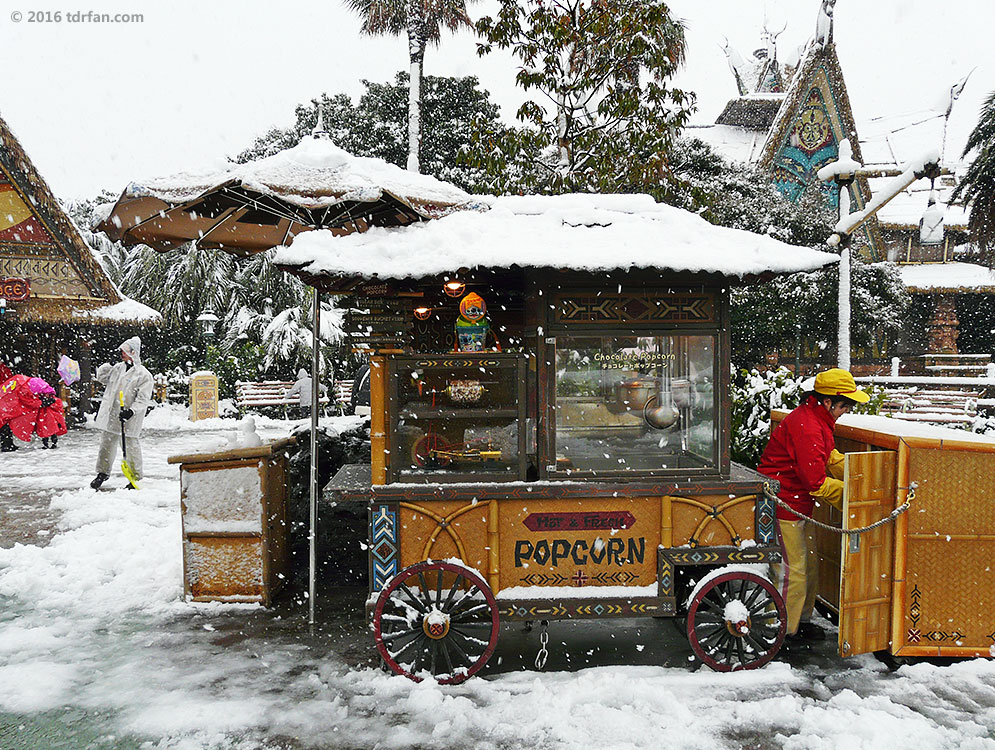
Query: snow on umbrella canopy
{"type": "Point", "coordinates": [264, 203]}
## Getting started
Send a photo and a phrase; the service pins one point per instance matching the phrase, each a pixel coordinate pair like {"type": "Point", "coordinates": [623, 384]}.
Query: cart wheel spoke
{"type": "Point", "coordinates": [483, 607]}
{"type": "Point", "coordinates": [391, 637]}
{"type": "Point", "coordinates": [438, 589]}
{"type": "Point", "coordinates": [452, 593]}
{"type": "Point", "coordinates": [709, 617]}
{"type": "Point", "coordinates": [412, 598]}
{"type": "Point", "coordinates": [759, 648]}
{"type": "Point", "coordinates": [729, 647]}
{"type": "Point", "coordinates": [459, 651]}
{"type": "Point", "coordinates": [417, 637]}
{"type": "Point", "coordinates": [740, 651]}
{"type": "Point", "coordinates": [752, 600]}
{"type": "Point", "coordinates": [467, 595]}
{"type": "Point", "coordinates": [426, 596]}
{"type": "Point", "coordinates": [444, 647]}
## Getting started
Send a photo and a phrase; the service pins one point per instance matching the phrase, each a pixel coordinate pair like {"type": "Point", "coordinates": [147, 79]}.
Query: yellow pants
{"type": "Point", "coordinates": [797, 576]}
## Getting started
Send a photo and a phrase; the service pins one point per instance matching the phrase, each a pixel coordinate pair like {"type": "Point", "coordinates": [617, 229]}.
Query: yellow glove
{"type": "Point", "coordinates": [832, 492]}
{"type": "Point", "coordinates": [835, 464]}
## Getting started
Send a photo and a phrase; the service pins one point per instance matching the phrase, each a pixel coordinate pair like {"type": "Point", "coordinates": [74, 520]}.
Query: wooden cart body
{"type": "Point", "coordinates": [570, 549]}
{"type": "Point", "coordinates": [924, 585]}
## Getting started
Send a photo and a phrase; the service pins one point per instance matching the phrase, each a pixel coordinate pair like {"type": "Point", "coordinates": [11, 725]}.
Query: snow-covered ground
{"type": "Point", "coordinates": [99, 650]}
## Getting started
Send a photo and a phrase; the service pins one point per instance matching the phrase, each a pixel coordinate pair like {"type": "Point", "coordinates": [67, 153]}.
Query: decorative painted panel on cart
{"type": "Point", "coordinates": [435, 530]}
{"type": "Point", "coordinates": [575, 542]}
{"type": "Point", "coordinates": [588, 542]}
{"type": "Point", "coordinates": [677, 307]}
{"type": "Point", "coordinates": [950, 549]}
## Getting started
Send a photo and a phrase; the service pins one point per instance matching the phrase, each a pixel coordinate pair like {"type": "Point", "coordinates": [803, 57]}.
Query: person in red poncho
{"type": "Point", "coordinates": [19, 407]}
{"type": "Point", "coordinates": [801, 455]}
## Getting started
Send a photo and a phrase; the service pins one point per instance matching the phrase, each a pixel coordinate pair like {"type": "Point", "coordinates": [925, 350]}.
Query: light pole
{"type": "Point", "coordinates": [207, 320]}
{"type": "Point", "coordinates": [843, 171]}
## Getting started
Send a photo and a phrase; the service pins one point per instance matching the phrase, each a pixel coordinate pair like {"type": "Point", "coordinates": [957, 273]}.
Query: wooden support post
{"type": "Point", "coordinates": [493, 542]}
{"type": "Point", "coordinates": [666, 523]}
{"type": "Point", "coordinates": [898, 585]}
{"type": "Point", "coordinates": [378, 419]}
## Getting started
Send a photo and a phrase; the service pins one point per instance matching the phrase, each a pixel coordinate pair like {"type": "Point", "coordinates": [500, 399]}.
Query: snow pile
{"type": "Point", "coordinates": [313, 174]}
{"type": "Point", "coordinates": [586, 232]}
{"type": "Point", "coordinates": [94, 636]}
{"type": "Point", "coordinates": [176, 417]}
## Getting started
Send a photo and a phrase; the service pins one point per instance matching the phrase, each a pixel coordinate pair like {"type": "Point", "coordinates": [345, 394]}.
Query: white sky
{"type": "Point", "coordinates": [99, 105]}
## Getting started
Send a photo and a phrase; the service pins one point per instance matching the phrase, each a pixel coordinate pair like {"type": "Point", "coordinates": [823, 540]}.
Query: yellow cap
{"type": "Point", "coordinates": [837, 382]}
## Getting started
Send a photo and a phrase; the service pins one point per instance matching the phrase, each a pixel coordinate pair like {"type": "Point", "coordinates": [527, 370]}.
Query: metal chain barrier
{"type": "Point", "coordinates": [890, 518]}
{"type": "Point", "coordinates": [543, 654]}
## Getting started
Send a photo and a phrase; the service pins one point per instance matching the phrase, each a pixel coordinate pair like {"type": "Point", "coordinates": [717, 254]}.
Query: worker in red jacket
{"type": "Point", "coordinates": [801, 455]}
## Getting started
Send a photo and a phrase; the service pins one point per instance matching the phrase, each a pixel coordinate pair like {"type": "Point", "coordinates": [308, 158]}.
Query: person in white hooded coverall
{"type": "Point", "coordinates": [303, 388]}
{"type": "Point", "coordinates": [129, 377]}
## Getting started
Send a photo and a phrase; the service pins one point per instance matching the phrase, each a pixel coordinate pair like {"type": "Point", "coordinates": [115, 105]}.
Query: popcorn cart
{"type": "Point", "coordinates": [570, 459]}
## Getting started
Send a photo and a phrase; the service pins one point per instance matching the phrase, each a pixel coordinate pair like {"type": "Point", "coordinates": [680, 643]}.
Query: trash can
{"type": "Point", "coordinates": [234, 515]}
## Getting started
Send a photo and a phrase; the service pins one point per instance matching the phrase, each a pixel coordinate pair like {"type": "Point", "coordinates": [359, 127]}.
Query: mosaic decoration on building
{"type": "Point", "coordinates": [810, 145]}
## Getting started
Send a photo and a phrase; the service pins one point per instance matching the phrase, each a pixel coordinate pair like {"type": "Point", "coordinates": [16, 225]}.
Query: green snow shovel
{"type": "Point", "coordinates": [126, 469]}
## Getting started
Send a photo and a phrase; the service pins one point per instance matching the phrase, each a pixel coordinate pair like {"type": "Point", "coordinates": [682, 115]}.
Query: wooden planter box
{"type": "Point", "coordinates": [924, 585]}
{"type": "Point", "coordinates": [233, 506]}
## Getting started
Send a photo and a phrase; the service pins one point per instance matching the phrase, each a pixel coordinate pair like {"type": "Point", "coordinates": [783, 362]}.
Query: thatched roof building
{"type": "Point", "coordinates": [57, 296]}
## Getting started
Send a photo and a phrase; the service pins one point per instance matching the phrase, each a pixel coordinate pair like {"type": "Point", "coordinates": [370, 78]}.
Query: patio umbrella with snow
{"type": "Point", "coordinates": [252, 207]}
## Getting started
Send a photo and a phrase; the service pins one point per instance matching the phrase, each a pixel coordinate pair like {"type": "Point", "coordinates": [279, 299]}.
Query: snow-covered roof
{"type": "Point", "coordinates": [940, 276]}
{"type": "Point", "coordinates": [907, 208]}
{"type": "Point", "coordinates": [583, 232]}
{"type": "Point", "coordinates": [735, 144]}
{"type": "Point", "coordinates": [313, 174]}
{"type": "Point", "coordinates": [125, 311]}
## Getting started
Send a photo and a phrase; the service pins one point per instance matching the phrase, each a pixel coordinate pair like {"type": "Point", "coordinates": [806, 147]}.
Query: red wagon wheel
{"type": "Point", "coordinates": [736, 620]}
{"type": "Point", "coordinates": [421, 451]}
{"type": "Point", "coordinates": [437, 618]}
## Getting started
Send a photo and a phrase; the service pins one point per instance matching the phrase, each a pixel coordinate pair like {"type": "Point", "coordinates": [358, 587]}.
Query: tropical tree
{"type": "Point", "coordinates": [977, 188]}
{"type": "Point", "coordinates": [605, 117]}
{"type": "Point", "coordinates": [422, 21]}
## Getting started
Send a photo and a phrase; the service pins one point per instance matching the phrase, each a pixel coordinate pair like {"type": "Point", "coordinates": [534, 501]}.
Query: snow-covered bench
{"type": "Point", "coordinates": [342, 390]}
{"type": "Point", "coordinates": [929, 405]}
{"type": "Point", "coordinates": [268, 393]}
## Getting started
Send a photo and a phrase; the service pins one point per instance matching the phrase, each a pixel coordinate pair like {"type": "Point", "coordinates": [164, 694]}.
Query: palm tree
{"type": "Point", "coordinates": [422, 21]}
{"type": "Point", "coordinates": [978, 186]}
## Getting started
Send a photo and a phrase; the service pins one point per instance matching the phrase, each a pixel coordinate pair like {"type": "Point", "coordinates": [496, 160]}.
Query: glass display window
{"type": "Point", "coordinates": [635, 405]}
{"type": "Point", "coordinates": [457, 417]}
